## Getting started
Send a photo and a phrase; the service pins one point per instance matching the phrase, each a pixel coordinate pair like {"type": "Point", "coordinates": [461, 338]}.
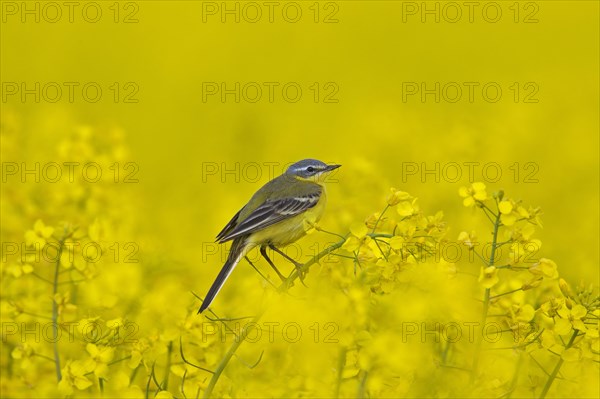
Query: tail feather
{"type": "Point", "coordinates": [238, 249]}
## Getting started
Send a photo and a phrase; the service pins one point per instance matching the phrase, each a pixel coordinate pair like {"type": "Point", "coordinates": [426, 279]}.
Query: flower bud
{"type": "Point", "coordinates": [396, 196]}
{"type": "Point", "coordinates": [372, 220]}
{"type": "Point", "coordinates": [569, 303]}
{"type": "Point", "coordinates": [533, 283]}
{"type": "Point", "coordinates": [564, 288]}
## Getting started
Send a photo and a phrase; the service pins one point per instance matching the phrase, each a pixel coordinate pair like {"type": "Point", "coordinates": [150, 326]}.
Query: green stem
{"type": "Point", "coordinates": [340, 371]}
{"type": "Point", "coordinates": [165, 383]}
{"type": "Point", "coordinates": [506, 293]}
{"type": "Point", "coordinates": [225, 360]}
{"type": "Point", "coordinates": [486, 305]}
{"type": "Point", "coordinates": [383, 235]}
{"type": "Point", "coordinates": [304, 268]}
{"type": "Point", "coordinates": [486, 297]}
{"type": "Point", "coordinates": [55, 311]}
{"type": "Point", "coordinates": [557, 367]}
{"type": "Point", "coordinates": [287, 283]}
{"type": "Point", "coordinates": [379, 218]}
{"type": "Point", "coordinates": [362, 386]}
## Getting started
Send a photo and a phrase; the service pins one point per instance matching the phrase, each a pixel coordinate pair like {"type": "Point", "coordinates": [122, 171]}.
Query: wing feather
{"type": "Point", "coordinates": [229, 227]}
{"type": "Point", "coordinates": [271, 212]}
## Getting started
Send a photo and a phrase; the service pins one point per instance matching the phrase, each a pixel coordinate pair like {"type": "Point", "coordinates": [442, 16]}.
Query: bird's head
{"type": "Point", "coordinates": [310, 169]}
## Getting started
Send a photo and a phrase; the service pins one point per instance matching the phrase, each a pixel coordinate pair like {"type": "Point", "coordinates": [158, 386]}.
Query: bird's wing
{"type": "Point", "coordinates": [273, 211]}
{"type": "Point", "coordinates": [229, 227]}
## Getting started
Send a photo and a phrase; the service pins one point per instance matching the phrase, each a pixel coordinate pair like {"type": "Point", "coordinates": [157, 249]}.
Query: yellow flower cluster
{"type": "Point", "coordinates": [386, 311]}
{"type": "Point", "coordinates": [388, 242]}
{"type": "Point", "coordinates": [523, 292]}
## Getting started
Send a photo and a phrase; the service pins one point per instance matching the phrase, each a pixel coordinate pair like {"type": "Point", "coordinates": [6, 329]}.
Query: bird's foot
{"type": "Point", "coordinates": [300, 272]}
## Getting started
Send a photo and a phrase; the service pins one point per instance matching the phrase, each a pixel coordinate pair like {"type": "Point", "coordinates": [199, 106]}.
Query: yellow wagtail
{"type": "Point", "coordinates": [274, 217]}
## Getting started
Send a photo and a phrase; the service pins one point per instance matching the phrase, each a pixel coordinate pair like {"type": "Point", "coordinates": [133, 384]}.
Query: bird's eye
{"type": "Point", "coordinates": [310, 169]}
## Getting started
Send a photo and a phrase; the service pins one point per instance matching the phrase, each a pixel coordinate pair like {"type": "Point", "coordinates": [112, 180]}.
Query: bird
{"type": "Point", "coordinates": [275, 216]}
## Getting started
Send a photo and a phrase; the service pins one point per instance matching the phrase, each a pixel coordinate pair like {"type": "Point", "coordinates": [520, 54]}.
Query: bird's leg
{"type": "Point", "coordinates": [297, 264]}
{"type": "Point", "coordinates": [263, 252]}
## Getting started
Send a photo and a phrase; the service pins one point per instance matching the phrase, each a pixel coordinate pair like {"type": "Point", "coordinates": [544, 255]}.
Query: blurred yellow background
{"type": "Point", "coordinates": [362, 68]}
{"type": "Point", "coordinates": [368, 53]}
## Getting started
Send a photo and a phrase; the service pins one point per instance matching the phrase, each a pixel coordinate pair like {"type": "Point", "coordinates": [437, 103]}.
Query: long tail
{"type": "Point", "coordinates": [238, 249]}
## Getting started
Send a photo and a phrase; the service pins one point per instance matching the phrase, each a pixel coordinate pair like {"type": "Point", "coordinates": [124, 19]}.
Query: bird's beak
{"type": "Point", "coordinates": [331, 167]}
